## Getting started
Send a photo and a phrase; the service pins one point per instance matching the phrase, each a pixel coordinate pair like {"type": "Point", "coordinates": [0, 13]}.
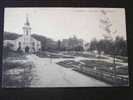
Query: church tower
{"type": "Point", "coordinates": [27, 43]}
{"type": "Point", "coordinates": [27, 28]}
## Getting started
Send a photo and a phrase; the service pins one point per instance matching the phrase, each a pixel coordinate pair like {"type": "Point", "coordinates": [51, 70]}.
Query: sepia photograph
{"type": "Point", "coordinates": [64, 47]}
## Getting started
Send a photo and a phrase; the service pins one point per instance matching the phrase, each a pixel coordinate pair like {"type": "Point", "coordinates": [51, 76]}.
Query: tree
{"type": "Point", "coordinates": [7, 50]}
{"type": "Point", "coordinates": [121, 46]}
{"type": "Point", "coordinates": [47, 43]}
{"type": "Point", "coordinates": [93, 45]}
{"type": "Point", "coordinates": [106, 25]}
{"type": "Point", "coordinates": [78, 48]}
{"type": "Point", "coordinates": [10, 36]}
{"type": "Point", "coordinates": [9, 46]}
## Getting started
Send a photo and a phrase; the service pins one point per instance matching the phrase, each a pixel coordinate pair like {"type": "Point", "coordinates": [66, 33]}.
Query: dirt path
{"type": "Point", "coordinates": [47, 74]}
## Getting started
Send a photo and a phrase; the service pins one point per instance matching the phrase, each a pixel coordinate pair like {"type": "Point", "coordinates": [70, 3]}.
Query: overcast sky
{"type": "Point", "coordinates": [59, 23]}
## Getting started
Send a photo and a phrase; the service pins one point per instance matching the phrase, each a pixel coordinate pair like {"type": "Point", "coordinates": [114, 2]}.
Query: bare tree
{"type": "Point", "coordinates": [106, 25]}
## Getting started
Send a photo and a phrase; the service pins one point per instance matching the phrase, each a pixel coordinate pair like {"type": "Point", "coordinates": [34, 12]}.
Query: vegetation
{"type": "Point", "coordinates": [8, 52]}
{"type": "Point", "coordinates": [10, 36]}
{"type": "Point", "coordinates": [117, 47]}
{"type": "Point", "coordinates": [47, 43]}
{"type": "Point", "coordinates": [16, 74]}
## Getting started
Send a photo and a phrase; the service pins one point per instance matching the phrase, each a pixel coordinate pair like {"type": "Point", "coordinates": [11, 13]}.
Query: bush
{"type": "Point", "coordinates": [10, 53]}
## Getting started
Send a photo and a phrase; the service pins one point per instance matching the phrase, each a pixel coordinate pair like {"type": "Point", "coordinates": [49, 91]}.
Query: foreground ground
{"type": "Point", "coordinates": [61, 70]}
{"type": "Point", "coordinates": [48, 74]}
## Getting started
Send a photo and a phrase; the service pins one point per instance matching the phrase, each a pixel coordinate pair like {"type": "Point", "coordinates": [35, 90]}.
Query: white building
{"type": "Point", "coordinates": [26, 42]}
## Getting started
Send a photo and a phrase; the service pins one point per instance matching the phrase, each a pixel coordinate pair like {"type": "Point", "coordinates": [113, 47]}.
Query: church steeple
{"type": "Point", "coordinates": [27, 28]}
{"type": "Point", "coordinates": [27, 20]}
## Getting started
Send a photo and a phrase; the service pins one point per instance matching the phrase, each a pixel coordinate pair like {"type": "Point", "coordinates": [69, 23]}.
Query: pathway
{"type": "Point", "coordinates": [47, 74]}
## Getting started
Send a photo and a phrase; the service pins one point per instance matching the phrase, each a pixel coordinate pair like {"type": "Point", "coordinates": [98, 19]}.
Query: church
{"type": "Point", "coordinates": [26, 43]}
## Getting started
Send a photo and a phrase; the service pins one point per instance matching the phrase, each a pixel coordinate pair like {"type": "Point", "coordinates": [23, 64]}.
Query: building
{"type": "Point", "coordinates": [26, 43]}
{"type": "Point", "coordinates": [72, 43]}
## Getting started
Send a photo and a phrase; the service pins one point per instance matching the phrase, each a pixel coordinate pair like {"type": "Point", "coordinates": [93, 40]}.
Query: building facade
{"type": "Point", "coordinates": [26, 43]}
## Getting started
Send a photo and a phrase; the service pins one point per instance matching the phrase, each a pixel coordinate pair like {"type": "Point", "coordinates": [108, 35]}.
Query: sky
{"type": "Point", "coordinates": [61, 23]}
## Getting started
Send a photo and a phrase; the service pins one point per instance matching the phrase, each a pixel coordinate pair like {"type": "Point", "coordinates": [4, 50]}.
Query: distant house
{"type": "Point", "coordinates": [26, 43]}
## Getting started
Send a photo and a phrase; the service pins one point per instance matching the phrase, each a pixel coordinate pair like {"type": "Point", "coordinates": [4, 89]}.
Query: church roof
{"type": "Point", "coordinates": [31, 38]}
